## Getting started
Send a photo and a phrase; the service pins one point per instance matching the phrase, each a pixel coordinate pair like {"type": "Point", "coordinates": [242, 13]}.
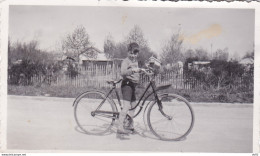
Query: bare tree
{"type": "Point", "coordinates": [136, 35]}
{"type": "Point", "coordinates": [221, 54]}
{"type": "Point", "coordinates": [109, 46]}
{"type": "Point", "coordinates": [172, 50]}
{"type": "Point", "coordinates": [119, 50]}
{"type": "Point", "coordinates": [249, 54]}
{"type": "Point", "coordinates": [201, 54]}
{"type": "Point", "coordinates": [27, 51]}
{"type": "Point", "coordinates": [189, 53]}
{"type": "Point", "coordinates": [76, 43]}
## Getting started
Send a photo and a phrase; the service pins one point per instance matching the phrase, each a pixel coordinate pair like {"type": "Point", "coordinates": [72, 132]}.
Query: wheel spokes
{"type": "Point", "coordinates": [173, 121]}
{"type": "Point", "coordinates": [87, 120]}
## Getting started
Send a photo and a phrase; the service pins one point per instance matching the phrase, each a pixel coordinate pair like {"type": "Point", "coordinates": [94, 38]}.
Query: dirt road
{"type": "Point", "coordinates": [45, 123]}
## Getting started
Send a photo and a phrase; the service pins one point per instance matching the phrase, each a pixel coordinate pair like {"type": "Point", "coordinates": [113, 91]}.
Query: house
{"type": "Point", "coordinates": [154, 61]}
{"type": "Point", "coordinates": [248, 63]}
{"type": "Point", "coordinates": [66, 61]}
{"type": "Point", "coordinates": [93, 56]}
{"type": "Point", "coordinates": [197, 65]}
{"type": "Point", "coordinates": [177, 67]}
{"type": "Point", "coordinates": [18, 62]}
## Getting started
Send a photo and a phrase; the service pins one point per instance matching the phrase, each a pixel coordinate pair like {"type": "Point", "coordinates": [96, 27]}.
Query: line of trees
{"type": "Point", "coordinates": [119, 50]}
{"type": "Point", "coordinates": [27, 59]}
{"type": "Point", "coordinates": [76, 43]}
{"type": "Point", "coordinates": [36, 61]}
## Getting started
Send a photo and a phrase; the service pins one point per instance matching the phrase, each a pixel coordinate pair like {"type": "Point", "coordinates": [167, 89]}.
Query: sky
{"type": "Point", "coordinates": [200, 28]}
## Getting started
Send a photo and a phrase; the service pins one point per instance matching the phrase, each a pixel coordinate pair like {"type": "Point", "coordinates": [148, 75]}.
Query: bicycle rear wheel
{"type": "Point", "coordinates": [89, 122]}
{"type": "Point", "coordinates": [173, 121]}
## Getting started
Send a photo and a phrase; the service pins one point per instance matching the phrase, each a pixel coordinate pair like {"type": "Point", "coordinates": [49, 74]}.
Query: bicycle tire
{"type": "Point", "coordinates": [172, 105]}
{"type": "Point", "coordinates": [89, 124]}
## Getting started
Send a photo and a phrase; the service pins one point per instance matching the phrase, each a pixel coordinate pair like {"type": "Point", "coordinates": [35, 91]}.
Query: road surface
{"type": "Point", "coordinates": [47, 123]}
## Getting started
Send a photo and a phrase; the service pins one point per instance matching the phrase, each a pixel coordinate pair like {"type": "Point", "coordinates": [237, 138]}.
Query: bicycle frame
{"type": "Point", "coordinates": [106, 110]}
{"type": "Point", "coordinates": [150, 85]}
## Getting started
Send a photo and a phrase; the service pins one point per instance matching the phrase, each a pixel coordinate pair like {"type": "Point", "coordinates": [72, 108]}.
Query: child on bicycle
{"type": "Point", "coordinates": [130, 74]}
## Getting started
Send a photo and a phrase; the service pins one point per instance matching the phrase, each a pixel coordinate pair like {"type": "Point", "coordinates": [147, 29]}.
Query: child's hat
{"type": "Point", "coordinates": [133, 46]}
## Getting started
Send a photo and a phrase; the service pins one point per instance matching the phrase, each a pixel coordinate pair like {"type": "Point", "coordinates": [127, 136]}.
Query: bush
{"type": "Point", "coordinates": [25, 60]}
{"type": "Point", "coordinates": [220, 74]}
{"type": "Point", "coordinates": [21, 74]}
{"type": "Point", "coordinates": [72, 71]}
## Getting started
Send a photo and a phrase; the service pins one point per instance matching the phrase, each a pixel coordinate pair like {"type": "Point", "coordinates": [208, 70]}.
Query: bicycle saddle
{"type": "Point", "coordinates": [163, 87]}
{"type": "Point", "coordinates": [114, 82]}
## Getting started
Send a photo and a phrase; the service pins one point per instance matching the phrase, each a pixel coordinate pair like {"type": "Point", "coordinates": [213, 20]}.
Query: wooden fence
{"type": "Point", "coordinates": [97, 76]}
{"type": "Point", "coordinates": [99, 81]}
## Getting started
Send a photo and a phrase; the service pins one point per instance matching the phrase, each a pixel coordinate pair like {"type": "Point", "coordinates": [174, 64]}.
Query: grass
{"type": "Point", "coordinates": [192, 95]}
{"type": "Point", "coordinates": [53, 91]}
{"type": "Point", "coordinates": [216, 96]}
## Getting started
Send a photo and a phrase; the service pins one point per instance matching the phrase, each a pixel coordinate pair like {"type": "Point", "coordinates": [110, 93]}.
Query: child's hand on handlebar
{"type": "Point", "coordinates": [136, 70]}
{"type": "Point", "coordinates": [147, 71]}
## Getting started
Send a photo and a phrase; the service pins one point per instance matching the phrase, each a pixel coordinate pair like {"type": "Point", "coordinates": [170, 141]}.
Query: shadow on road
{"type": "Point", "coordinates": [77, 128]}
{"type": "Point", "coordinates": [139, 130]}
{"type": "Point", "coordinates": [146, 133]}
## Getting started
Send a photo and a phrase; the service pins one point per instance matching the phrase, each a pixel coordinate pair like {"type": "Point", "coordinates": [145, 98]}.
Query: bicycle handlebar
{"type": "Point", "coordinates": [149, 71]}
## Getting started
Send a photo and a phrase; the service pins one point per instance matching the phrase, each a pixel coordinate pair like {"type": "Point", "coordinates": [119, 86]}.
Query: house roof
{"type": "Point", "coordinates": [18, 61]}
{"type": "Point", "coordinates": [201, 62]}
{"type": "Point", "coordinates": [247, 61]}
{"type": "Point", "coordinates": [99, 56]}
{"type": "Point", "coordinates": [92, 49]}
{"type": "Point", "coordinates": [152, 59]}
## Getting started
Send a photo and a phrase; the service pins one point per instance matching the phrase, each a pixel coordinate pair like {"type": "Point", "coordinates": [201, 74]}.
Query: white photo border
{"type": "Point", "coordinates": [181, 4]}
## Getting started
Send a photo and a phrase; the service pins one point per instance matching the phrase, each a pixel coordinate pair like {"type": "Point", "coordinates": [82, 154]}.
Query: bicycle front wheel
{"type": "Point", "coordinates": [84, 112]}
{"type": "Point", "coordinates": [171, 121]}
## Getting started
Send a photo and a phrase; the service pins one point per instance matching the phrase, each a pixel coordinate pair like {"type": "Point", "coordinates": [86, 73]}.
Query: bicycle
{"type": "Point", "coordinates": [95, 112]}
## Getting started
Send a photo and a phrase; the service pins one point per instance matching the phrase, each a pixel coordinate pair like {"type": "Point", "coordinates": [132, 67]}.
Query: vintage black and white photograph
{"type": "Point", "coordinates": [130, 79]}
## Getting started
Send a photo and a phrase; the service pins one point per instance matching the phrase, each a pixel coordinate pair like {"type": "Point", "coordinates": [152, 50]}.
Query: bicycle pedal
{"type": "Point", "coordinates": [125, 132]}
{"type": "Point", "coordinates": [121, 136]}
{"type": "Point", "coordinates": [130, 130]}
{"type": "Point", "coordinates": [133, 131]}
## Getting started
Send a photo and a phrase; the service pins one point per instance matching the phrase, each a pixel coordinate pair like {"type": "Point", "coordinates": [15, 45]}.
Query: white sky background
{"type": "Point", "coordinates": [231, 28]}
